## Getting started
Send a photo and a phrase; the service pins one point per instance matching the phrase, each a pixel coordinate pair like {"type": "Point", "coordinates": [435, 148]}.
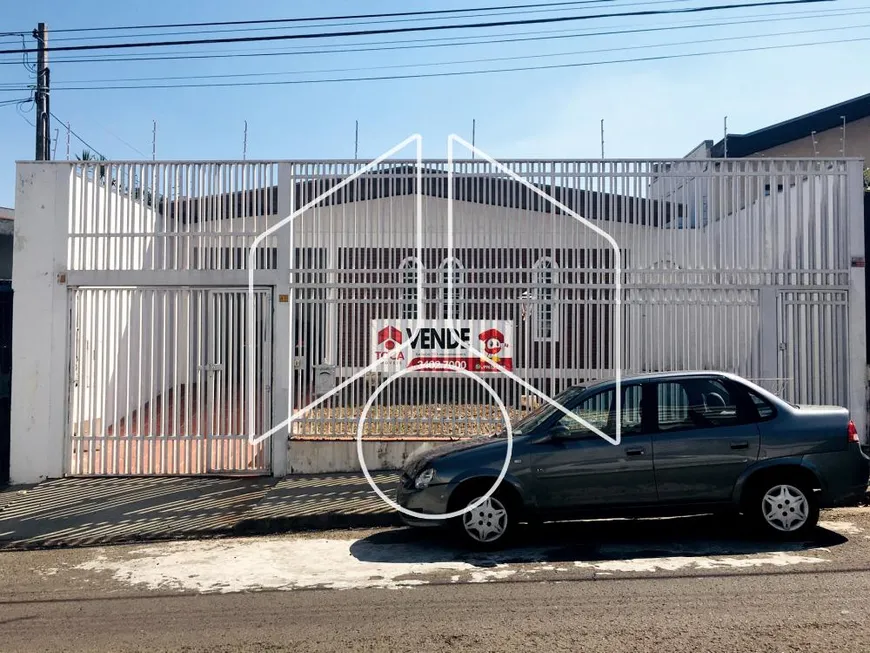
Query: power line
{"type": "Point", "coordinates": [132, 147]}
{"type": "Point", "coordinates": [536, 10]}
{"type": "Point", "coordinates": [4, 103]}
{"type": "Point", "coordinates": [79, 138]}
{"type": "Point", "coordinates": [466, 61]}
{"type": "Point", "coordinates": [424, 28]}
{"type": "Point", "coordinates": [457, 40]}
{"type": "Point", "coordinates": [583, 64]}
{"type": "Point", "coordinates": [277, 21]}
{"type": "Point", "coordinates": [21, 113]}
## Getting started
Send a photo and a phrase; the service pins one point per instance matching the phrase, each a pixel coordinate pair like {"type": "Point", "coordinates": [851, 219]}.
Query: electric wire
{"type": "Point", "coordinates": [424, 28]}
{"type": "Point", "coordinates": [461, 73]}
{"type": "Point", "coordinates": [537, 10]}
{"type": "Point", "coordinates": [308, 19]}
{"type": "Point", "coordinates": [454, 41]}
{"type": "Point", "coordinates": [117, 80]}
{"type": "Point", "coordinates": [79, 138]}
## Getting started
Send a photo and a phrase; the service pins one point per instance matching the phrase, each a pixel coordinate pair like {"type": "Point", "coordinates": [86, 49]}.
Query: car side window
{"type": "Point", "coordinates": [595, 410]}
{"type": "Point", "coordinates": [673, 404]}
{"type": "Point", "coordinates": [696, 403]}
{"type": "Point", "coordinates": [599, 410]}
{"type": "Point", "coordinates": [632, 407]}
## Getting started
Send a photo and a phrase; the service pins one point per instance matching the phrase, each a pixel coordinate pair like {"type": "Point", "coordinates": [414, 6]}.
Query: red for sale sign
{"type": "Point", "coordinates": [436, 343]}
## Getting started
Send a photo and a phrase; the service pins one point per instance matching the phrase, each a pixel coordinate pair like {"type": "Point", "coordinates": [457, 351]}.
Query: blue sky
{"type": "Point", "coordinates": [651, 108]}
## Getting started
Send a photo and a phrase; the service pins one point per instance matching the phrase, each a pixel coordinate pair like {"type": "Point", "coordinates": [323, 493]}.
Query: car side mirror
{"type": "Point", "coordinates": [559, 432]}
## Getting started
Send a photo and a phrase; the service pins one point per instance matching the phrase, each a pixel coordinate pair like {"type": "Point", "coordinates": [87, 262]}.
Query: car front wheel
{"type": "Point", "coordinates": [784, 508]}
{"type": "Point", "coordinates": [488, 525]}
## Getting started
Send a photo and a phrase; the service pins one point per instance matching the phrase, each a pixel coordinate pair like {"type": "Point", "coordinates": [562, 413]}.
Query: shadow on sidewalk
{"type": "Point", "coordinates": [590, 541]}
{"type": "Point", "coordinates": [91, 511]}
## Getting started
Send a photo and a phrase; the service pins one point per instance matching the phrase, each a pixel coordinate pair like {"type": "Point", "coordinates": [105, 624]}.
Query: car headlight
{"type": "Point", "coordinates": [424, 478]}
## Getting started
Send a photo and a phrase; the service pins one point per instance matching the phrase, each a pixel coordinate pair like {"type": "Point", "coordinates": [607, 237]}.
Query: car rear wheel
{"type": "Point", "coordinates": [784, 508]}
{"type": "Point", "coordinates": [487, 526]}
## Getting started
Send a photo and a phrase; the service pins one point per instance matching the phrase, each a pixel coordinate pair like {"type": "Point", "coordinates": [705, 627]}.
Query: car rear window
{"type": "Point", "coordinates": [695, 403]}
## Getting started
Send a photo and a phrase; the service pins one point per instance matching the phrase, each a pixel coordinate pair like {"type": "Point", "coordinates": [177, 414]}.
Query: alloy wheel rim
{"type": "Point", "coordinates": [785, 508]}
{"type": "Point", "coordinates": [487, 522]}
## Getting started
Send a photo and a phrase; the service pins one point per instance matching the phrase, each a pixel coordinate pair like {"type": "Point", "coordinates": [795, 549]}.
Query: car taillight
{"type": "Point", "coordinates": [853, 432]}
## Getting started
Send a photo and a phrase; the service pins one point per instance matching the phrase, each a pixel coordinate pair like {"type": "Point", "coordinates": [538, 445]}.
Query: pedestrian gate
{"type": "Point", "coordinates": [159, 380]}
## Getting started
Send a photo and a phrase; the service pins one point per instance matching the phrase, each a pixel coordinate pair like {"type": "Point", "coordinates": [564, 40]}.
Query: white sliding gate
{"type": "Point", "coordinates": [159, 380]}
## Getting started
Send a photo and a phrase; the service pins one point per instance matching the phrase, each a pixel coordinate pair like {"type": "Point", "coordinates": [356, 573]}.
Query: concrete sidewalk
{"type": "Point", "coordinates": [95, 511]}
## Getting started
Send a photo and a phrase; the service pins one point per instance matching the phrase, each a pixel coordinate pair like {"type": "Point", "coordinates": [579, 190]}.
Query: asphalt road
{"type": "Point", "coordinates": [664, 585]}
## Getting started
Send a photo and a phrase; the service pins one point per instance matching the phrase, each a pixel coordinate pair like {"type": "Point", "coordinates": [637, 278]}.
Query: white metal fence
{"type": "Point", "coordinates": [736, 265]}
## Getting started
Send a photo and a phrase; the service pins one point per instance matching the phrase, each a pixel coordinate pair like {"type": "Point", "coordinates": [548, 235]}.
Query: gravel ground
{"type": "Point", "coordinates": [449, 421]}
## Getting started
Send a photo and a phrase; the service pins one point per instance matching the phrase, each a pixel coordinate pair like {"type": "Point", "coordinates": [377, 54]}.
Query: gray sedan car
{"type": "Point", "coordinates": [691, 443]}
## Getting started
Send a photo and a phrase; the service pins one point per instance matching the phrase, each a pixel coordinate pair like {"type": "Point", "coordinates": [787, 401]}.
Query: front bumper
{"type": "Point", "coordinates": [431, 500]}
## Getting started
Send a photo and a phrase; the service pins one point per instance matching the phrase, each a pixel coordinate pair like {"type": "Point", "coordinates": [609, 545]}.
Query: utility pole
{"type": "Point", "coordinates": [43, 111]}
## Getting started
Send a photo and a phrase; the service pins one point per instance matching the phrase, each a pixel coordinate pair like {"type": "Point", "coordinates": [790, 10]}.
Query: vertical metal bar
{"type": "Point", "coordinates": [177, 434]}
{"type": "Point", "coordinates": [209, 404]}
{"type": "Point", "coordinates": [81, 377]}
{"type": "Point", "coordinates": [233, 349]}
{"type": "Point", "coordinates": [150, 447]}
{"type": "Point", "coordinates": [97, 392]}
{"type": "Point", "coordinates": [266, 376]}
{"type": "Point", "coordinates": [201, 335]}
{"type": "Point", "coordinates": [114, 371]}
{"type": "Point", "coordinates": [163, 390]}
{"type": "Point", "coordinates": [140, 408]}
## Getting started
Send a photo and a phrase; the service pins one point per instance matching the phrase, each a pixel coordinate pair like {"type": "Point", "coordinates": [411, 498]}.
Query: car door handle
{"type": "Point", "coordinates": [743, 444]}
{"type": "Point", "coordinates": [634, 451]}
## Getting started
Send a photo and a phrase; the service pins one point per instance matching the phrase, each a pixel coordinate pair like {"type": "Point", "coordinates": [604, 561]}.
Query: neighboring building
{"type": "Point", "coordinates": [838, 131]}
{"type": "Point", "coordinates": [6, 217]}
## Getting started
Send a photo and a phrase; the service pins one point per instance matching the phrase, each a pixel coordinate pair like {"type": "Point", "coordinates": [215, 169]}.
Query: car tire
{"type": "Point", "coordinates": [488, 526]}
{"type": "Point", "coordinates": [782, 507]}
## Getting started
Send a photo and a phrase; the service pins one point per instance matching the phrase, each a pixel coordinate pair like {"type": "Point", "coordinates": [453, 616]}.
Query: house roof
{"type": "Point", "coordinates": [401, 180]}
{"type": "Point", "coordinates": [740, 145]}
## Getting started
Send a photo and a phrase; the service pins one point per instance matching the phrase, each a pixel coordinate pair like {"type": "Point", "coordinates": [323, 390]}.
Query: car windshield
{"type": "Point", "coordinates": [543, 412]}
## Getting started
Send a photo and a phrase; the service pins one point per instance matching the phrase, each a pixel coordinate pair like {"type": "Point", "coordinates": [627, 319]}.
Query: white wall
{"type": "Point", "coordinates": [39, 329]}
